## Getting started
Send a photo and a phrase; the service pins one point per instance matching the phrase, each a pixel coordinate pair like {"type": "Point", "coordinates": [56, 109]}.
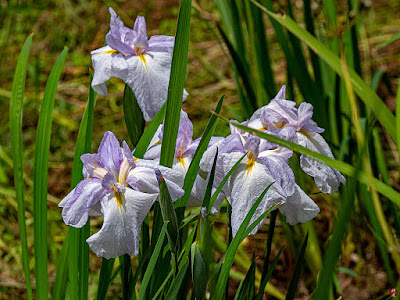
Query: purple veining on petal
{"type": "Point", "coordinates": [90, 162]}
{"type": "Point", "coordinates": [140, 26]}
{"type": "Point", "coordinates": [110, 153]}
{"type": "Point", "coordinates": [232, 143]}
{"type": "Point", "coordinates": [252, 144]}
{"type": "Point", "coordinates": [281, 172]}
{"type": "Point", "coordinates": [128, 153]}
{"type": "Point", "coordinates": [161, 43]}
{"type": "Point", "coordinates": [108, 181]}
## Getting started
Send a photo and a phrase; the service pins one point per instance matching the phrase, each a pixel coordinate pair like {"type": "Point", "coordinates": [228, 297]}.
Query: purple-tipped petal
{"type": "Point", "coordinates": [252, 144]}
{"type": "Point", "coordinates": [232, 143]}
{"type": "Point", "coordinates": [108, 181]}
{"type": "Point", "coordinates": [91, 162]}
{"type": "Point", "coordinates": [162, 43]}
{"type": "Point", "coordinates": [128, 153]}
{"type": "Point", "coordinates": [77, 203]}
{"type": "Point", "coordinates": [140, 26]}
{"type": "Point", "coordinates": [115, 43]}
{"type": "Point", "coordinates": [110, 153]}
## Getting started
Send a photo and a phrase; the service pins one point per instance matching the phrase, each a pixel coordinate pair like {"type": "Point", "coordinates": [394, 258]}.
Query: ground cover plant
{"type": "Point", "coordinates": [282, 199]}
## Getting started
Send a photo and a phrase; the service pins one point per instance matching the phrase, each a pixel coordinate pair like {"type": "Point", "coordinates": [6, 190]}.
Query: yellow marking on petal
{"type": "Point", "coordinates": [135, 159]}
{"type": "Point", "coordinates": [143, 59]}
{"type": "Point", "coordinates": [119, 197]}
{"type": "Point", "coordinates": [182, 162]}
{"type": "Point", "coordinates": [251, 160]}
{"type": "Point", "coordinates": [304, 132]}
{"type": "Point", "coordinates": [158, 143]}
{"type": "Point", "coordinates": [112, 51]}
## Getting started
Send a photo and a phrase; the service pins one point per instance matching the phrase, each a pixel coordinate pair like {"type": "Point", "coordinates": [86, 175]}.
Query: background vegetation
{"type": "Point", "coordinates": [362, 271]}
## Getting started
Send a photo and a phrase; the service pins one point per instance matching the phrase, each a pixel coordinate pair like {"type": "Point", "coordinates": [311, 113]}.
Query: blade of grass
{"type": "Point", "coordinates": [78, 248]}
{"type": "Point", "coordinates": [195, 164]}
{"type": "Point", "coordinates": [152, 262]}
{"type": "Point", "coordinates": [176, 284]}
{"type": "Point", "coordinates": [245, 283]}
{"type": "Point", "coordinates": [148, 134]}
{"type": "Point", "coordinates": [133, 116]}
{"type": "Point", "coordinates": [16, 108]}
{"type": "Point", "coordinates": [126, 276]}
{"type": "Point", "coordinates": [265, 269]}
{"type": "Point", "coordinates": [265, 279]}
{"type": "Point", "coordinates": [296, 274]}
{"type": "Point", "coordinates": [227, 261]}
{"type": "Point", "coordinates": [176, 84]}
{"type": "Point", "coordinates": [199, 272]}
{"type": "Point", "coordinates": [40, 177]}
{"type": "Point", "coordinates": [366, 94]}
{"type": "Point", "coordinates": [162, 286]}
{"type": "Point", "coordinates": [343, 167]}
{"type": "Point", "coordinates": [61, 282]}
{"type": "Point", "coordinates": [107, 266]}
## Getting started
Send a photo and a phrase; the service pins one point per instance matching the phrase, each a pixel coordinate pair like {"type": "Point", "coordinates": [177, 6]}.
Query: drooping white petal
{"type": "Point", "coordinates": [299, 207]}
{"type": "Point", "coordinates": [120, 231]}
{"type": "Point", "coordinates": [102, 63]}
{"type": "Point", "coordinates": [326, 178]}
{"type": "Point", "coordinates": [245, 186]}
{"type": "Point", "coordinates": [148, 77]}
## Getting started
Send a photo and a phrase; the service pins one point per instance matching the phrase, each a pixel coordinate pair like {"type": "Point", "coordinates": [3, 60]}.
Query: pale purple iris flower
{"type": "Point", "coordinates": [281, 118]}
{"type": "Point", "coordinates": [264, 164]}
{"type": "Point", "coordinates": [185, 148]}
{"type": "Point", "coordinates": [142, 63]}
{"type": "Point", "coordinates": [121, 188]}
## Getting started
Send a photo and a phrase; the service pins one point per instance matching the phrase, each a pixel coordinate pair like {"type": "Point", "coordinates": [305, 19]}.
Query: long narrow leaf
{"type": "Point", "coordinates": [40, 177]}
{"type": "Point", "coordinates": [176, 284]}
{"type": "Point", "coordinates": [78, 248]}
{"type": "Point", "coordinates": [152, 262]}
{"type": "Point", "coordinates": [105, 277]}
{"type": "Point", "coordinates": [343, 167]}
{"type": "Point", "coordinates": [133, 116]}
{"type": "Point", "coordinates": [176, 83]}
{"type": "Point", "coordinates": [296, 274]}
{"type": "Point", "coordinates": [16, 107]}
{"type": "Point", "coordinates": [227, 261]}
{"type": "Point", "coordinates": [195, 164]}
{"type": "Point", "coordinates": [365, 93]}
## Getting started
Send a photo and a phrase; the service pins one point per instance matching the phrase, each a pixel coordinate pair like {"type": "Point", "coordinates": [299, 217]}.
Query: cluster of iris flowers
{"type": "Point", "coordinates": [123, 188]}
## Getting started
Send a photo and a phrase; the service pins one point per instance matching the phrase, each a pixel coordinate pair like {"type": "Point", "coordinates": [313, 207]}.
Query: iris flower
{"type": "Point", "coordinates": [185, 148]}
{"type": "Point", "coordinates": [142, 63]}
{"type": "Point", "coordinates": [265, 163]}
{"type": "Point", "coordinates": [121, 188]}
{"type": "Point", "coordinates": [281, 117]}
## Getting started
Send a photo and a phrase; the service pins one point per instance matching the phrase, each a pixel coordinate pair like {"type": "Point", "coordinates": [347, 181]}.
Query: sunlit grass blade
{"type": "Point", "coordinates": [366, 94]}
{"type": "Point", "coordinates": [296, 274]}
{"type": "Point", "coordinates": [227, 261]}
{"type": "Point", "coordinates": [162, 286]}
{"type": "Point", "coordinates": [107, 266]}
{"type": "Point", "coordinates": [176, 84]}
{"type": "Point", "coordinates": [133, 116]}
{"type": "Point", "coordinates": [78, 248]}
{"type": "Point", "coordinates": [176, 284]}
{"type": "Point", "coordinates": [392, 39]}
{"type": "Point", "coordinates": [343, 167]}
{"type": "Point", "coordinates": [16, 108]}
{"type": "Point", "coordinates": [199, 272]}
{"type": "Point", "coordinates": [152, 262]}
{"type": "Point", "coordinates": [40, 177]}
{"type": "Point", "coordinates": [148, 134]}
{"type": "Point", "coordinates": [195, 164]}
{"type": "Point", "coordinates": [265, 279]}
